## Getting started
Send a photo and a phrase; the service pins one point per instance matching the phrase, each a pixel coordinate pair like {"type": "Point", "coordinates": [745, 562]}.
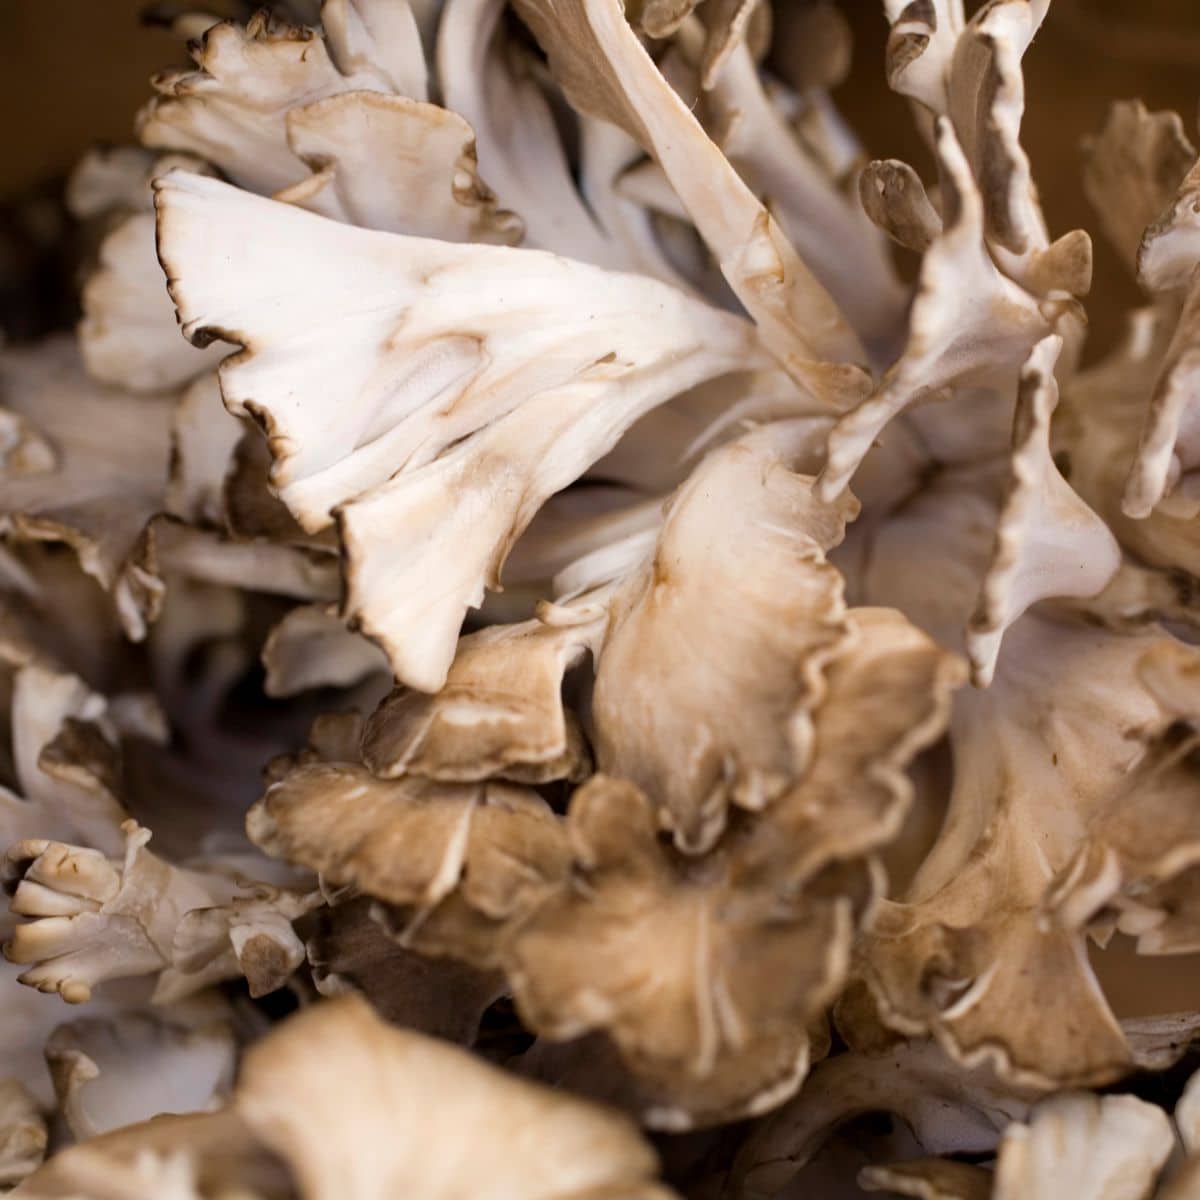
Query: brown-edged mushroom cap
{"type": "Point", "coordinates": [535, 401]}
{"type": "Point", "coordinates": [715, 646]}
{"type": "Point", "coordinates": [500, 713]}
{"type": "Point", "coordinates": [483, 853]}
{"type": "Point", "coordinates": [705, 977]}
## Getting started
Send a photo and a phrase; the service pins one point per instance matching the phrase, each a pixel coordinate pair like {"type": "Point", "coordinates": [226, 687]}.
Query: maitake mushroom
{"type": "Point", "coordinates": [506, 560]}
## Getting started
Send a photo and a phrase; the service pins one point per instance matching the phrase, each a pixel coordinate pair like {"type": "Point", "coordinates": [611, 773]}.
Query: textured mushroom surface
{"type": "Point", "coordinates": [566, 634]}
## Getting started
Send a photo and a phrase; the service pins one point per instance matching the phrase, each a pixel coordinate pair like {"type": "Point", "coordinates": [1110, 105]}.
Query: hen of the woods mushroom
{"type": "Point", "coordinates": [836, 728]}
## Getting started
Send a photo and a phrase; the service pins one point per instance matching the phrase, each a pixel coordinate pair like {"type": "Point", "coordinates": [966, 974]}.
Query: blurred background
{"type": "Point", "coordinates": [73, 72]}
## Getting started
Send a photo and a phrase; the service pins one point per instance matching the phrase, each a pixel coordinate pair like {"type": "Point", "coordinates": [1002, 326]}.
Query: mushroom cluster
{"type": "Point", "coordinates": [831, 752]}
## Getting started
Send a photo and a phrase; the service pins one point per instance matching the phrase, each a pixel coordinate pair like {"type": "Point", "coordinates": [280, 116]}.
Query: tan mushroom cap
{"type": "Point", "coordinates": [470, 857]}
{"type": "Point", "coordinates": [501, 712]}
{"type": "Point", "coordinates": [715, 647]}
{"type": "Point", "coordinates": [967, 951]}
{"type": "Point", "coordinates": [671, 958]}
{"type": "Point", "coordinates": [378, 1112]}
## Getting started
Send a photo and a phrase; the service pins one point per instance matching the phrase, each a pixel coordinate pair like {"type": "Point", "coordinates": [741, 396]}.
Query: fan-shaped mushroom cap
{"type": "Point", "coordinates": [231, 109]}
{"type": "Point", "coordinates": [378, 1113]}
{"type": "Point", "coordinates": [671, 958]}
{"type": "Point", "coordinates": [715, 646]}
{"type": "Point", "coordinates": [536, 401]}
{"type": "Point", "coordinates": [104, 468]}
{"type": "Point", "coordinates": [967, 939]}
{"type": "Point", "coordinates": [475, 857]}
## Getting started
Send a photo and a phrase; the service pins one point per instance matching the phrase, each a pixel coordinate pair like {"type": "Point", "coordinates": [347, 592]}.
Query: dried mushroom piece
{"type": "Point", "coordinates": [464, 412]}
